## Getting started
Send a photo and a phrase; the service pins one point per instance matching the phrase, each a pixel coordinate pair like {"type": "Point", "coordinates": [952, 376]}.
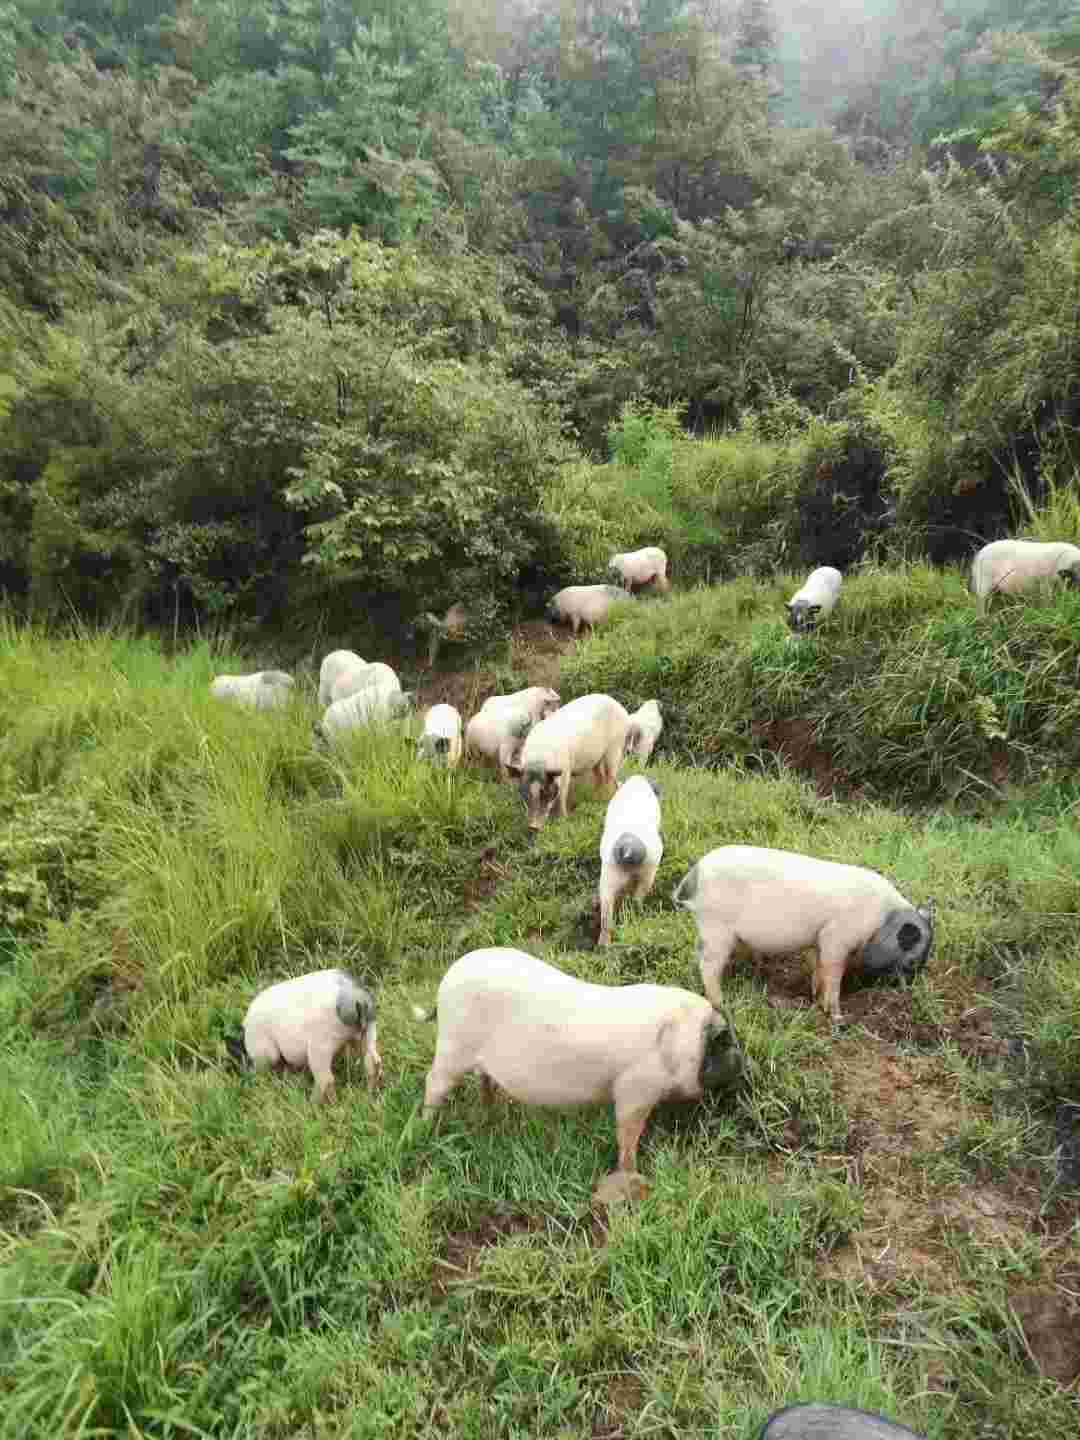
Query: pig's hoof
{"type": "Point", "coordinates": [621, 1187]}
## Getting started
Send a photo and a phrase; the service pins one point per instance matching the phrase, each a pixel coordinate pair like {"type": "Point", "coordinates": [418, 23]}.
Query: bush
{"type": "Point", "coordinates": [780, 490]}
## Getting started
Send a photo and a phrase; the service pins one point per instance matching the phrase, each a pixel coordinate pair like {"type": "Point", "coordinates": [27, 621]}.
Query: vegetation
{"type": "Point", "coordinates": [193, 1251]}
{"type": "Point", "coordinates": [315, 320]}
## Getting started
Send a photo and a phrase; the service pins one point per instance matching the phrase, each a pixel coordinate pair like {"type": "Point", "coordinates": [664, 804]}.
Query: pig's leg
{"type": "Point", "coordinates": [487, 1089]}
{"type": "Point", "coordinates": [263, 1052]}
{"type": "Point", "coordinates": [373, 1066]}
{"type": "Point", "coordinates": [630, 1122]}
{"type": "Point", "coordinates": [321, 1055]}
{"type": "Point", "coordinates": [609, 895]}
{"type": "Point", "coordinates": [643, 881]}
{"type": "Point", "coordinates": [829, 973]}
{"type": "Point", "coordinates": [564, 793]}
{"type": "Point", "coordinates": [714, 955]}
{"type": "Point", "coordinates": [442, 1078]}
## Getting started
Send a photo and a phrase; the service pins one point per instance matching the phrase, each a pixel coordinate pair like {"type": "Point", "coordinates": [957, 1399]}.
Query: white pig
{"type": "Point", "coordinates": [1010, 566]}
{"type": "Point", "coordinates": [497, 736]}
{"type": "Point", "coordinates": [337, 663]}
{"type": "Point", "coordinates": [441, 739]}
{"type": "Point", "coordinates": [815, 600]}
{"type": "Point", "coordinates": [776, 902]}
{"type": "Point", "coordinates": [368, 706]}
{"type": "Point", "coordinates": [587, 734]}
{"type": "Point", "coordinates": [579, 605]}
{"type": "Point", "coordinates": [634, 569]}
{"type": "Point", "coordinates": [264, 690]}
{"type": "Point", "coordinates": [548, 1039]}
{"type": "Point", "coordinates": [646, 723]}
{"type": "Point", "coordinates": [538, 700]}
{"type": "Point", "coordinates": [631, 847]}
{"type": "Point", "coordinates": [306, 1022]}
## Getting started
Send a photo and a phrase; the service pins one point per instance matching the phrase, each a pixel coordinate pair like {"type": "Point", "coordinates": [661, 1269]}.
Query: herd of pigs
{"type": "Point", "coordinates": [548, 1038]}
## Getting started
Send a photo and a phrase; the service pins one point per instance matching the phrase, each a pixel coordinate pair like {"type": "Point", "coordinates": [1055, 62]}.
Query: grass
{"type": "Point", "coordinates": [190, 1251]}
{"type": "Point", "coordinates": [905, 690]}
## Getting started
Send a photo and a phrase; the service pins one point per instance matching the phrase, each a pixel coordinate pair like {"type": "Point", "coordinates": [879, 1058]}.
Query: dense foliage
{"type": "Point", "coordinates": [345, 302]}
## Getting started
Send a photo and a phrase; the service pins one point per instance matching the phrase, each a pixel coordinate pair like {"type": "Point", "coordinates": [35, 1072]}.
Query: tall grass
{"type": "Point", "coordinates": [187, 1250]}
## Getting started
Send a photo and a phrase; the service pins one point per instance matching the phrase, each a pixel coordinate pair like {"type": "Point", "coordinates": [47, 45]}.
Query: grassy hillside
{"type": "Point", "coordinates": [906, 693]}
{"type": "Point", "coordinates": [192, 1251]}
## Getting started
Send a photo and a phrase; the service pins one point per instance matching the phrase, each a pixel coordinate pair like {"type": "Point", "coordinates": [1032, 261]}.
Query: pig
{"type": "Point", "coordinates": [306, 1022]}
{"type": "Point", "coordinates": [369, 705]}
{"type": "Point", "coordinates": [775, 902]}
{"type": "Point", "coordinates": [348, 682]}
{"type": "Point", "coordinates": [634, 569]}
{"type": "Point", "coordinates": [441, 739]}
{"type": "Point", "coordinates": [263, 690]}
{"type": "Point", "coordinates": [579, 605]}
{"type": "Point", "coordinates": [816, 599]}
{"type": "Point", "coordinates": [337, 663]}
{"type": "Point", "coordinates": [497, 731]}
{"type": "Point", "coordinates": [549, 1039]}
{"type": "Point", "coordinates": [1010, 566]}
{"type": "Point", "coordinates": [646, 723]}
{"type": "Point", "coordinates": [538, 700]}
{"type": "Point", "coordinates": [498, 735]}
{"type": "Point", "coordinates": [631, 847]}
{"type": "Point", "coordinates": [587, 734]}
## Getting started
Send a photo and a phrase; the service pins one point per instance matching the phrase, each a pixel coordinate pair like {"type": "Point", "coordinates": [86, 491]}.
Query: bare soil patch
{"type": "Point", "coordinates": [536, 649]}
{"type": "Point", "coordinates": [463, 1249]}
{"type": "Point", "coordinates": [490, 874]}
{"type": "Point", "coordinates": [1049, 1317]}
{"type": "Point", "coordinates": [796, 744]}
{"type": "Point", "coordinates": [904, 1106]}
{"type": "Point", "coordinates": [625, 1398]}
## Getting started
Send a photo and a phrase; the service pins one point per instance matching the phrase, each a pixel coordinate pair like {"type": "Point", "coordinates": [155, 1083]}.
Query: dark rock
{"type": "Point", "coordinates": [831, 1422]}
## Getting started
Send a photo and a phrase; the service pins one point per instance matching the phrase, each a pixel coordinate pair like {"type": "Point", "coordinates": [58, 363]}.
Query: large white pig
{"type": "Point", "coordinates": [497, 736]}
{"type": "Point", "coordinates": [646, 724]}
{"type": "Point", "coordinates": [369, 705]}
{"type": "Point", "coordinates": [549, 1039]}
{"type": "Point", "coordinates": [1008, 567]}
{"type": "Point", "coordinates": [306, 1022]}
{"type": "Point", "coordinates": [631, 847]}
{"type": "Point", "coordinates": [589, 605]}
{"type": "Point", "coordinates": [539, 700]}
{"type": "Point", "coordinates": [816, 599]}
{"type": "Point", "coordinates": [337, 664]}
{"type": "Point", "coordinates": [634, 569]}
{"type": "Point", "coordinates": [263, 690]}
{"type": "Point", "coordinates": [441, 738]}
{"type": "Point", "coordinates": [776, 902]}
{"type": "Point", "coordinates": [588, 734]}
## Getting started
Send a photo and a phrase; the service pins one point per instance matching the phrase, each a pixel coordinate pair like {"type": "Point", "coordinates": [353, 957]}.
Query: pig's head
{"type": "Point", "coordinates": [433, 747]}
{"type": "Point", "coordinates": [1070, 575]}
{"type": "Point", "coordinates": [802, 616]}
{"type": "Point", "coordinates": [902, 945]}
{"type": "Point", "coordinates": [354, 1005]}
{"type": "Point", "coordinates": [723, 1063]}
{"type": "Point", "coordinates": [539, 788]}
